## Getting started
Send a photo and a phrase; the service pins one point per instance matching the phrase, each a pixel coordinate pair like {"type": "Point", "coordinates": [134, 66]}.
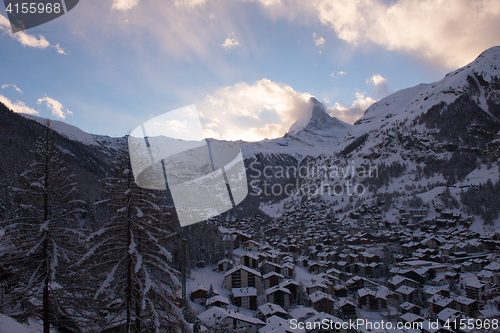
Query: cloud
{"type": "Point", "coordinates": [13, 86]}
{"type": "Point", "coordinates": [318, 41]}
{"type": "Point", "coordinates": [188, 3]}
{"type": "Point", "coordinates": [380, 84]}
{"type": "Point", "coordinates": [450, 34]}
{"type": "Point", "coordinates": [354, 112]}
{"type": "Point", "coordinates": [124, 5]}
{"type": "Point", "coordinates": [252, 112]}
{"type": "Point", "coordinates": [338, 74]}
{"type": "Point", "coordinates": [55, 106]}
{"type": "Point", "coordinates": [60, 50]}
{"type": "Point", "coordinates": [18, 106]}
{"type": "Point", "coordinates": [26, 39]}
{"type": "Point", "coordinates": [230, 43]}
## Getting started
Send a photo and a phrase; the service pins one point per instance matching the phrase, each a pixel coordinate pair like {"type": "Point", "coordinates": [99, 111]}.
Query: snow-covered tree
{"type": "Point", "coordinates": [41, 242]}
{"type": "Point", "coordinates": [136, 286]}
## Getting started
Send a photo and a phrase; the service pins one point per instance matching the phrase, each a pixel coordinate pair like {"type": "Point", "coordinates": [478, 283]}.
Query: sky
{"type": "Point", "coordinates": [249, 66]}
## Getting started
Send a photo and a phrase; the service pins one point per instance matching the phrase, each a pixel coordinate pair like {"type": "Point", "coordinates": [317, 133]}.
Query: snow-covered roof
{"type": "Point", "coordinates": [276, 324]}
{"type": "Point", "coordinates": [270, 308]}
{"type": "Point", "coordinates": [319, 295]}
{"type": "Point", "coordinates": [216, 299]}
{"type": "Point", "coordinates": [410, 317]}
{"type": "Point", "coordinates": [405, 290]}
{"type": "Point", "coordinates": [277, 288]}
{"type": "Point", "coordinates": [248, 269]}
{"type": "Point", "coordinates": [302, 312]}
{"type": "Point", "coordinates": [244, 292]}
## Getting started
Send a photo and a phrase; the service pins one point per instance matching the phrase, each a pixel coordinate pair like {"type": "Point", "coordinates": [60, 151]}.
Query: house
{"type": "Point", "coordinates": [322, 302]}
{"type": "Point", "coordinates": [250, 260]}
{"type": "Point", "coordinates": [224, 265]}
{"type": "Point", "coordinates": [474, 288]}
{"type": "Point", "coordinates": [407, 294]}
{"type": "Point", "coordinates": [315, 324]}
{"type": "Point", "coordinates": [218, 301]}
{"type": "Point", "coordinates": [437, 303]}
{"type": "Point", "coordinates": [466, 305]}
{"type": "Point", "coordinates": [199, 295]}
{"type": "Point", "coordinates": [241, 277]}
{"type": "Point", "coordinates": [245, 297]}
{"type": "Point", "coordinates": [272, 279]}
{"type": "Point", "coordinates": [277, 324]}
{"type": "Point", "coordinates": [216, 317]}
{"type": "Point", "coordinates": [251, 245]}
{"type": "Point", "coordinates": [291, 285]}
{"type": "Point", "coordinates": [279, 295]}
{"type": "Point", "coordinates": [301, 313]}
{"type": "Point", "coordinates": [269, 309]}
{"type": "Point", "coordinates": [409, 307]}
{"type": "Point", "coordinates": [345, 309]}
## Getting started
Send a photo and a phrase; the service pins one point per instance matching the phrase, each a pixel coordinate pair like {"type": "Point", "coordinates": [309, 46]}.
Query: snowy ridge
{"type": "Point", "coordinates": [69, 131]}
{"type": "Point", "coordinates": [315, 133]}
{"type": "Point", "coordinates": [407, 104]}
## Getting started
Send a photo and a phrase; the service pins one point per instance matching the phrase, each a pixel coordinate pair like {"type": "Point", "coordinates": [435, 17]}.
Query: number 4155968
{"type": "Point", "coordinates": [34, 7]}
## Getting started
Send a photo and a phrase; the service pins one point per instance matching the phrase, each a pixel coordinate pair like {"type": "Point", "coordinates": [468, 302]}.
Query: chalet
{"type": "Point", "coordinates": [251, 245]}
{"type": "Point", "coordinates": [199, 295]}
{"type": "Point", "coordinates": [279, 295]}
{"type": "Point", "coordinates": [322, 302]}
{"type": "Point", "coordinates": [245, 297]}
{"type": "Point", "coordinates": [291, 285]}
{"type": "Point", "coordinates": [437, 303]}
{"type": "Point", "coordinates": [217, 317]}
{"type": "Point", "coordinates": [407, 294]}
{"type": "Point", "coordinates": [250, 260]}
{"type": "Point", "coordinates": [314, 323]}
{"type": "Point", "coordinates": [269, 309]}
{"type": "Point", "coordinates": [345, 309]}
{"type": "Point", "coordinates": [409, 307]}
{"type": "Point", "coordinates": [242, 277]}
{"type": "Point", "coordinates": [272, 279]}
{"type": "Point", "coordinates": [466, 305]}
{"type": "Point", "coordinates": [397, 281]}
{"type": "Point", "coordinates": [218, 301]}
{"type": "Point", "coordinates": [224, 265]}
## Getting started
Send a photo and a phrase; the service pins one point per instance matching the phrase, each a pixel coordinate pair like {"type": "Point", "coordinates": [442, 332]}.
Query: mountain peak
{"type": "Point", "coordinates": [316, 121]}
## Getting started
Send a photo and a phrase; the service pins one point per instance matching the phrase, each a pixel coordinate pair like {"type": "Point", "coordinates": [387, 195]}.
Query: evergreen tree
{"type": "Point", "coordinates": [41, 242]}
{"type": "Point", "coordinates": [136, 287]}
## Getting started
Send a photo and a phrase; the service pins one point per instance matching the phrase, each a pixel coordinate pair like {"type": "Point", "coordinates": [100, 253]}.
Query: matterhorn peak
{"type": "Point", "coordinates": [316, 121]}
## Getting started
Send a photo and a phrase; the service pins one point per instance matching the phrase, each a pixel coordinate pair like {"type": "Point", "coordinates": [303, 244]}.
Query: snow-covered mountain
{"type": "Point", "coordinates": [468, 98]}
{"type": "Point", "coordinates": [313, 134]}
{"type": "Point", "coordinates": [439, 133]}
{"type": "Point", "coordinates": [422, 141]}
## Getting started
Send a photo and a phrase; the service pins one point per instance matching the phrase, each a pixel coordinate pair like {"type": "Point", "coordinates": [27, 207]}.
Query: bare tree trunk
{"type": "Point", "coordinates": [45, 258]}
{"type": "Point", "coordinates": [129, 255]}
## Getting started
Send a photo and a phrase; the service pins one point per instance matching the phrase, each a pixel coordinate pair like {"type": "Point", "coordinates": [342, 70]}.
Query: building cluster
{"type": "Point", "coordinates": [307, 267]}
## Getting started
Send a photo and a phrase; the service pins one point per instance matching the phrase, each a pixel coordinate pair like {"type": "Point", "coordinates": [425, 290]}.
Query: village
{"type": "Point", "coordinates": [424, 271]}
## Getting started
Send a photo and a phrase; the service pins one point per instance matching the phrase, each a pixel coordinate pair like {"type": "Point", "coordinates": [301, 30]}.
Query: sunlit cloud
{"type": "Point", "coordinates": [318, 41]}
{"type": "Point", "coordinates": [55, 107]}
{"type": "Point", "coordinates": [252, 112]}
{"type": "Point", "coordinates": [338, 74]}
{"type": "Point", "coordinates": [446, 33]}
{"type": "Point", "coordinates": [380, 85]}
{"type": "Point", "coordinates": [124, 5]}
{"type": "Point", "coordinates": [230, 43]}
{"type": "Point", "coordinates": [18, 106]}
{"type": "Point", "coordinates": [351, 113]}
{"type": "Point", "coordinates": [26, 39]}
{"type": "Point", "coordinates": [13, 86]}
